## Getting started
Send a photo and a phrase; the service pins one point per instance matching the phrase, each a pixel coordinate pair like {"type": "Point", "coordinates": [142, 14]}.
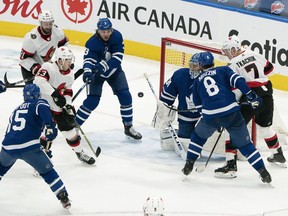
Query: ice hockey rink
{"type": "Point", "coordinates": [128, 172]}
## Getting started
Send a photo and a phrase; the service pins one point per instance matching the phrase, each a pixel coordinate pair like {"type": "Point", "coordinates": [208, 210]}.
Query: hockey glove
{"type": "Point", "coordinates": [2, 87]}
{"type": "Point", "coordinates": [58, 97]}
{"type": "Point", "coordinates": [88, 76]}
{"type": "Point", "coordinates": [102, 67]}
{"type": "Point", "coordinates": [69, 115]}
{"type": "Point", "coordinates": [51, 132]}
{"type": "Point", "coordinates": [35, 68]}
{"type": "Point", "coordinates": [254, 100]}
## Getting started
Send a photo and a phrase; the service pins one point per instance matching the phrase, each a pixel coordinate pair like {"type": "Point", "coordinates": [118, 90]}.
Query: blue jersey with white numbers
{"type": "Point", "coordinates": [212, 91]}
{"type": "Point", "coordinates": [111, 51]}
{"type": "Point", "coordinates": [180, 85]}
{"type": "Point", "coordinates": [25, 124]}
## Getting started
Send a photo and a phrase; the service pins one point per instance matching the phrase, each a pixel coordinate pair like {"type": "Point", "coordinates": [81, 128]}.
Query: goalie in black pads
{"type": "Point", "coordinates": [212, 94]}
{"type": "Point", "coordinates": [55, 81]}
{"type": "Point", "coordinates": [178, 86]}
{"type": "Point", "coordinates": [255, 69]}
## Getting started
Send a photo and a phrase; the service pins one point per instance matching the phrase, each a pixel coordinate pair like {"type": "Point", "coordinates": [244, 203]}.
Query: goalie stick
{"type": "Point", "coordinates": [175, 137]}
{"type": "Point", "coordinates": [200, 169]}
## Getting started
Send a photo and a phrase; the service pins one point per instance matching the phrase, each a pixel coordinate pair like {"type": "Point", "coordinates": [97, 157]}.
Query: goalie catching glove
{"type": "Point", "coordinates": [254, 100]}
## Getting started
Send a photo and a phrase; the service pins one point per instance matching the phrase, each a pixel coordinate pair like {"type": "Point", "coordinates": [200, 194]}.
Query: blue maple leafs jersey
{"type": "Point", "coordinates": [212, 91]}
{"type": "Point", "coordinates": [180, 84]}
{"type": "Point", "coordinates": [25, 124]}
{"type": "Point", "coordinates": [111, 51]}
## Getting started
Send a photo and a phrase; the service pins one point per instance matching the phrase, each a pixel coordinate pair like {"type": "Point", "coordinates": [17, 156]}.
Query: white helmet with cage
{"type": "Point", "coordinates": [45, 16]}
{"type": "Point", "coordinates": [231, 46]}
{"type": "Point", "coordinates": [153, 206]}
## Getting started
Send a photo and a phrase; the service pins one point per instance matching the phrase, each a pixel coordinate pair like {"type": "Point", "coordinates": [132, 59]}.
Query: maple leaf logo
{"type": "Point", "coordinates": [76, 6]}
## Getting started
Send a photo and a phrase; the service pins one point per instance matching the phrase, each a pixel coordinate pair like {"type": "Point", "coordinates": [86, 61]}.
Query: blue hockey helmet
{"type": "Point", "coordinates": [194, 65]}
{"type": "Point", "coordinates": [104, 24]}
{"type": "Point", "coordinates": [31, 92]}
{"type": "Point", "coordinates": [206, 58]}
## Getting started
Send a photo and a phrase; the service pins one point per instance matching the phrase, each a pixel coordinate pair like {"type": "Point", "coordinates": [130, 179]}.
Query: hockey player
{"type": "Point", "coordinates": [102, 62]}
{"type": "Point", "coordinates": [153, 206]}
{"type": "Point", "coordinates": [39, 45]}
{"type": "Point", "coordinates": [255, 69]}
{"type": "Point", "coordinates": [55, 80]}
{"type": "Point", "coordinates": [21, 140]}
{"type": "Point", "coordinates": [179, 85]}
{"type": "Point", "coordinates": [213, 95]}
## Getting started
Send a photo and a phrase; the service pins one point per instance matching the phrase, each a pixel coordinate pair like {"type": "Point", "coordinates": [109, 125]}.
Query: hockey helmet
{"type": "Point", "coordinates": [31, 92]}
{"type": "Point", "coordinates": [104, 24]}
{"type": "Point", "coordinates": [205, 59]}
{"type": "Point", "coordinates": [64, 53]}
{"type": "Point", "coordinates": [194, 65]}
{"type": "Point", "coordinates": [153, 206]}
{"type": "Point", "coordinates": [231, 46]}
{"type": "Point", "coordinates": [45, 16]}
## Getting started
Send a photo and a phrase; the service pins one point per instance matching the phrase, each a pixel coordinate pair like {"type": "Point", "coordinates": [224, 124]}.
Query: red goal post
{"type": "Point", "coordinates": [176, 54]}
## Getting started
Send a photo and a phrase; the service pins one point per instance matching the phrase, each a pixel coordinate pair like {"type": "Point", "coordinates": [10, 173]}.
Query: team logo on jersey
{"type": "Point", "coordinates": [77, 11]}
{"type": "Point", "coordinates": [33, 36]}
{"type": "Point", "coordinates": [277, 7]}
{"type": "Point", "coordinates": [249, 4]}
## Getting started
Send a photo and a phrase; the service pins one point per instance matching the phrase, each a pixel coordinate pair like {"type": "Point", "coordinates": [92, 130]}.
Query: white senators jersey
{"type": "Point", "coordinates": [39, 48]}
{"type": "Point", "coordinates": [49, 78]}
{"type": "Point", "coordinates": [253, 67]}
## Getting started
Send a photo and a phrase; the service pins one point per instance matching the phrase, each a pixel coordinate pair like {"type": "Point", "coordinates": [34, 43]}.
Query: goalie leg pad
{"type": "Point", "coordinates": [163, 116]}
{"type": "Point", "coordinates": [167, 143]}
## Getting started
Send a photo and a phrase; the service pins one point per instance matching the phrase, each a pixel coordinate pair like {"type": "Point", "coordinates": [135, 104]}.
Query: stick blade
{"type": "Point", "coordinates": [200, 168]}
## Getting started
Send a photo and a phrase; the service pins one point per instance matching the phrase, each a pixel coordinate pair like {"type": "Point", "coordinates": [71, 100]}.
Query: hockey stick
{"type": "Point", "coordinates": [78, 73]}
{"type": "Point", "coordinates": [98, 150]}
{"type": "Point", "coordinates": [156, 98]}
{"type": "Point", "coordinates": [177, 142]}
{"type": "Point", "coordinates": [200, 169]}
{"type": "Point", "coordinates": [16, 86]}
{"type": "Point", "coordinates": [79, 91]}
{"type": "Point", "coordinates": [175, 137]}
{"type": "Point", "coordinates": [8, 84]}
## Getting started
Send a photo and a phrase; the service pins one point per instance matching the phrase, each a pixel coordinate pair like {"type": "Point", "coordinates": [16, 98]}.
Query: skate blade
{"type": "Point", "coordinates": [132, 140]}
{"type": "Point", "coordinates": [228, 175]}
{"type": "Point", "coordinates": [277, 164]}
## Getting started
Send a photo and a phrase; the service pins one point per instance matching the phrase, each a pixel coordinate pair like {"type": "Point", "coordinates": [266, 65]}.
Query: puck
{"type": "Point", "coordinates": [140, 94]}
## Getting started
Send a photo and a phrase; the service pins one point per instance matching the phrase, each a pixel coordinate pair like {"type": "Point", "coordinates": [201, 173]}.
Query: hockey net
{"type": "Point", "coordinates": [175, 54]}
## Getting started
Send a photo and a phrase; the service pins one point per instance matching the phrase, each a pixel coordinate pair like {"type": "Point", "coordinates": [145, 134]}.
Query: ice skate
{"type": "Point", "coordinates": [188, 167]}
{"type": "Point", "coordinates": [131, 132]}
{"type": "Point", "coordinates": [228, 170]}
{"type": "Point", "coordinates": [63, 197]}
{"type": "Point", "coordinates": [278, 158]}
{"type": "Point", "coordinates": [264, 175]}
{"type": "Point", "coordinates": [85, 158]}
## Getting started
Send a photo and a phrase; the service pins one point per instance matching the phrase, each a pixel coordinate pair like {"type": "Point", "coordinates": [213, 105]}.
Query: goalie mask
{"type": "Point", "coordinates": [31, 92]}
{"type": "Point", "coordinates": [231, 46]}
{"type": "Point", "coordinates": [46, 21]}
{"type": "Point", "coordinates": [194, 66]}
{"type": "Point", "coordinates": [64, 58]}
{"type": "Point", "coordinates": [153, 206]}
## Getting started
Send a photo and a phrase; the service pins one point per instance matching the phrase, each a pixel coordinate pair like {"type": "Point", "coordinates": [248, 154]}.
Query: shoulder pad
{"type": "Point", "coordinates": [33, 36]}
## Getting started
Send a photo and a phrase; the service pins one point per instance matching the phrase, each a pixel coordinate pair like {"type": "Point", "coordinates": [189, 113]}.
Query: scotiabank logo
{"type": "Point", "coordinates": [77, 11]}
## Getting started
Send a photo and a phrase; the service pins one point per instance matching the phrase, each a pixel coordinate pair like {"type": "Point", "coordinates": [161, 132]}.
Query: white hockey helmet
{"type": "Point", "coordinates": [45, 16]}
{"type": "Point", "coordinates": [230, 46]}
{"type": "Point", "coordinates": [153, 206]}
{"type": "Point", "coordinates": [64, 53]}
